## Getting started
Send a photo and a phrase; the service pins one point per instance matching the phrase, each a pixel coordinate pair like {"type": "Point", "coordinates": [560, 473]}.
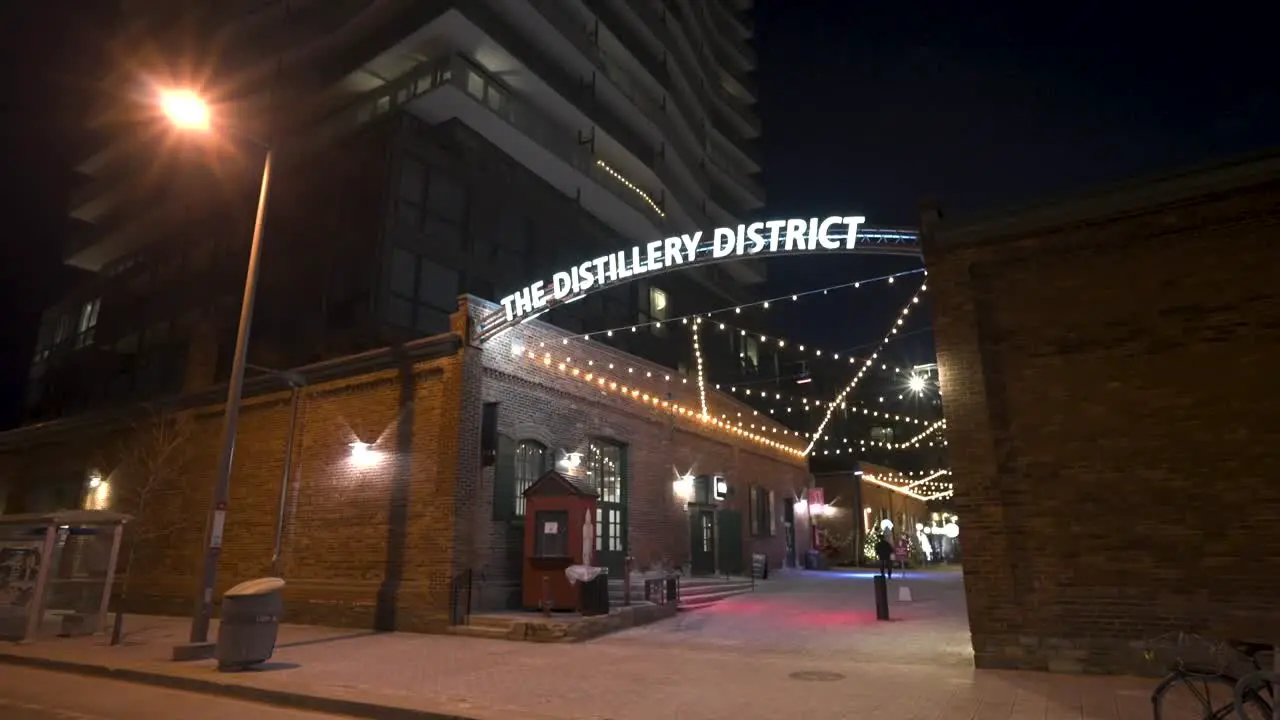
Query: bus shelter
{"type": "Point", "coordinates": [56, 571]}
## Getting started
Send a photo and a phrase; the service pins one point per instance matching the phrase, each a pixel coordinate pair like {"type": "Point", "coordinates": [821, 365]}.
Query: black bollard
{"type": "Point", "coordinates": [882, 598]}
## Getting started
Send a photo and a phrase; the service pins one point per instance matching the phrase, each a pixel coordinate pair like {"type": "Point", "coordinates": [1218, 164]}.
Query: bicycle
{"type": "Point", "coordinates": [1215, 692]}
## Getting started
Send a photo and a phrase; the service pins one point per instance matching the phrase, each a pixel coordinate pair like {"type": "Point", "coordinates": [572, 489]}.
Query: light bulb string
{"type": "Point", "coordinates": [607, 383]}
{"type": "Point", "coordinates": [893, 330]}
{"type": "Point", "coordinates": [697, 352]}
{"type": "Point", "coordinates": [803, 404]}
{"type": "Point", "coordinates": [598, 370]}
{"type": "Point", "coordinates": [684, 319]}
{"type": "Point", "coordinates": [904, 445]}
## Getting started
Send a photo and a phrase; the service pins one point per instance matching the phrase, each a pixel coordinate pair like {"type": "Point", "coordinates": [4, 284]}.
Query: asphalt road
{"type": "Point", "coordinates": [27, 694]}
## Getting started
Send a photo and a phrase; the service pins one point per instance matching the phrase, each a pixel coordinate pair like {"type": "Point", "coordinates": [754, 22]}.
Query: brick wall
{"type": "Point", "coordinates": [366, 544]}
{"type": "Point", "coordinates": [1107, 369]}
{"type": "Point", "coordinates": [539, 400]}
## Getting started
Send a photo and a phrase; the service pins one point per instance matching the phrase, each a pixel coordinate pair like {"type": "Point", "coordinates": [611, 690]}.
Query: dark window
{"type": "Point", "coordinates": [423, 293]}
{"type": "Point", "coordinates": [531, 458]}
{"type": "Point", "coordinates": [762, 519]}
{"type": "Point", "coordinates": [411, 192]}
{"type": "Point", "coordinates": [446, 199]}
{"type": "Point", "coordinates": [551, 534]}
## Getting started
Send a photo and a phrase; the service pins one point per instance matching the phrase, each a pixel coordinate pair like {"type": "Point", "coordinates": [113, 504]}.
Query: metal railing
{"type": "Point", "coordinates": [663, 590]}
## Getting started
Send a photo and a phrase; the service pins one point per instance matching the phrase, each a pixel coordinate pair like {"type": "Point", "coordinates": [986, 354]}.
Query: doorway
{"type": "Point", "coordinates": [732, 561]}
{"type": "Point", "coordinates": [702, 541]}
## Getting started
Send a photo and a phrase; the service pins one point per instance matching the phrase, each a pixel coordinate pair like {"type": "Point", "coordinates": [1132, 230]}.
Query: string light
{"type": "Point", "coordinates": [893, 330]}
{"type": "Point", "coordinates": [647, 198]}
{"type": "Point", "coordinates": [610, 384]}
{"type": "Point", "coordinates": [736, 309]}
{"type": "Point", "coordinates": [913, 443]}
{"type": "Point", "coordinates": [904, 486]}
{"type": "Point", "coordinates": [697, 354]}
{"type": "Point", "coordinates": [803, 404]}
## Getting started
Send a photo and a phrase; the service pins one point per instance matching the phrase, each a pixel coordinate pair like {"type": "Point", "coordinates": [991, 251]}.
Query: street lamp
{"type": "Point", "coordinates": [186, 110]}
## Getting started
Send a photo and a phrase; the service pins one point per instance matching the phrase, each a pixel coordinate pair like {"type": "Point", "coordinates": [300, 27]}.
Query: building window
{"type": "Point", "coordinates": [410, 191]}
{"type": "Point", "coordinates": [605, 466]}
{"type": "Point", "coordinates": [551, 534]}
{"type": "Point", "coordinates": [750, 355]}
{"type": "Point", "coordinates": [530, 460]}
{"type": "Point", "coordinates": [422, 293]}
{"type": "Point", "coordinates": [605, 471]}
{"type": "Point", "coordinates": [88, 321]}
{"type": "Point", "coordinates": [446, 199]}
{"type": "Point", "coordinates": [659, 309]}
{"type": "Point", "coordinates": [762, 519]}
{"type": "Point", "coordinates": [882, 434]}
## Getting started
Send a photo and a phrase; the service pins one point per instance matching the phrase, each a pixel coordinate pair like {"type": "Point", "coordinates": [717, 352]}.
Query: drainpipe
{"type": "Point", "coordinates": [294, 403]}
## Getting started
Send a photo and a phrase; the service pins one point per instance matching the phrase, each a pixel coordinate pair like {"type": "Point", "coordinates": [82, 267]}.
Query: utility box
{"type": "Point", "coordinates": [250, 623]}
{"type": "Point", "coordinates": [559, 532]}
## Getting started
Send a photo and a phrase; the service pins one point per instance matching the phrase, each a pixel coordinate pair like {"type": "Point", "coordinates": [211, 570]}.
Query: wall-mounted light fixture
{"type": "Point", "coordinates": [95, 479]}
{"type": "Point", "coordinates": [363, 454]}
{"type": "Point", "coordinates": [571, 461]}
{"type": "Point", "coordinates": [683, 487]}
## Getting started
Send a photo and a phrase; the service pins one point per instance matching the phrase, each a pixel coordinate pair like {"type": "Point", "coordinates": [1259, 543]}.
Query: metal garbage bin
{"type": "Point", "coordinates": [250, 622]}
{"type": "Point", "coordinates": [594, 599]}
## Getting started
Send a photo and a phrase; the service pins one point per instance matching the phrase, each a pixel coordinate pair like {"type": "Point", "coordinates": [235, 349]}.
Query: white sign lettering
{"type": "Point", "coordinates": [834, 233]}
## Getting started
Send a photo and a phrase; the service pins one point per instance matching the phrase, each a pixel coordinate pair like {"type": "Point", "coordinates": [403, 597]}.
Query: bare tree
{"type": "Point", "coordinates": [154, 459]}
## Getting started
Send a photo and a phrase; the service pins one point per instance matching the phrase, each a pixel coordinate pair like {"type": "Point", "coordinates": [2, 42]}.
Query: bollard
{"type": "Point", "coordinates": [546, 596]}
{"type": "Point", "coordinates": [626, 581]}
{"type": "Point", "coordinates": [882, 597]}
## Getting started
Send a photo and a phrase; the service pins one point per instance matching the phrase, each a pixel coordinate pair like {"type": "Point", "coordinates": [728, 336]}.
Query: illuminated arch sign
{"type": "Point", "coordinates": [834, 234]}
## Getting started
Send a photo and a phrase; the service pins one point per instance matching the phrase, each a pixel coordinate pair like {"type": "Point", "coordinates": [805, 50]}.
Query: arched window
{"type": "Point", "coordinates": [530, 461]}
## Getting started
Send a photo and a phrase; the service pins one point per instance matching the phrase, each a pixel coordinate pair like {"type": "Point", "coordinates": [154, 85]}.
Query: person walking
{"type": "Point", "coordinates": [884, 551]}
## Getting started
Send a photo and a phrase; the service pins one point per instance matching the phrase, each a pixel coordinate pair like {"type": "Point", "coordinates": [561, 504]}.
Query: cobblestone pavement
{"type": "Point", "coordinates": [820, 659]}
{"type": "Point", "coordinates": [27, 694]}
{"type": "Point", "coordinates": [830, 614]}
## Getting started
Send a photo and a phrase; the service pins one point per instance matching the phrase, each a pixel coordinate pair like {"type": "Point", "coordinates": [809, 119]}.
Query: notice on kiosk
{"type": "Point", "coordinates": [550, 528]}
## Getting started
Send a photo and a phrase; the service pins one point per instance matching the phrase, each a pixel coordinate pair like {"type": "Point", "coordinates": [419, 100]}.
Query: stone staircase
{"type": "Point", "coordinates": [695, 592]}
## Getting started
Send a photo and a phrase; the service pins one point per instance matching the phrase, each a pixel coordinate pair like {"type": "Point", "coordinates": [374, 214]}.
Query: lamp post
{"type": "Point", "coordinates": [187, 111]}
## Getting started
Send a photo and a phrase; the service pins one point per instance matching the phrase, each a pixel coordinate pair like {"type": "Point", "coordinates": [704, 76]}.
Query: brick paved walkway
{"type": "Point", "coordinates": [698, 672]}
{"type": "Point", "coordinates": [828, 615]}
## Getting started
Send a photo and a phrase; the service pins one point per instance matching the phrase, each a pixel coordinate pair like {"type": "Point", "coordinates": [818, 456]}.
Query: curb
{"type": "Point", "coordinates": [280, 698]}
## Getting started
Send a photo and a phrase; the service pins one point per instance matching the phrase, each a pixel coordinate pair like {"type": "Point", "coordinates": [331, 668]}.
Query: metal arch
{"type": "Point", "coordinates": [871, 241]}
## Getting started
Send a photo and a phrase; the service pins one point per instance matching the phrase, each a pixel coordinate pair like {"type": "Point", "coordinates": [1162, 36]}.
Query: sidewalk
{"type": "Point", "coordinates": [399, 675]}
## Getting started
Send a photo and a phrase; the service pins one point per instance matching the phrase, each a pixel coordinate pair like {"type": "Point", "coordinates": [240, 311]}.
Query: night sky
{"type": "Point", "coordinates": [867, 107]}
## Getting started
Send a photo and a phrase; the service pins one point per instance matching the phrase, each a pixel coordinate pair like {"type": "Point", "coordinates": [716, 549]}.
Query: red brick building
{"type": "Point", "coordinates": [372, 490]}
{"type": "Point", "coordinates": [1107, 367]}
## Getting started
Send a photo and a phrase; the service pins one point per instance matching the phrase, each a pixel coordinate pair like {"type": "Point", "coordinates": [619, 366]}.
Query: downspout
{"type": "Point", "coordinates": [294, 404]}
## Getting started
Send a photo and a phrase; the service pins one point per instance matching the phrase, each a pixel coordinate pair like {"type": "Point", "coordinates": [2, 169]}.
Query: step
{"type": "Point", "coordinates": [491, 632]}
{"type": "Point", "coordinates": [700, 590]}
{"type": "Point", "coordinates": [490, 621]}
{"type": "Point", "coordinates": [709, 598]}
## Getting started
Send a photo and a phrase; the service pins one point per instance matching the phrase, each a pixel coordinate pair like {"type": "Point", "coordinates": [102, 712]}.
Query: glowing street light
{"type": "Point", "coordinates": [187, 111]}
{"type": "Point", "coordinates": [916, 383]}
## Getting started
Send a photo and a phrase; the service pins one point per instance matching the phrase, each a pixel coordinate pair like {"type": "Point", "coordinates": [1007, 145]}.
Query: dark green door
{"type": "Point", "coordinates": [731, 560]}
{"type": "Point", "coordinates": [702, 541]}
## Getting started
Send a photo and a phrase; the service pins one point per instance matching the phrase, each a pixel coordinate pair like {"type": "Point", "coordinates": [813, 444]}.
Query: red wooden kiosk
{"type": "Point", "coordinates": [559, 531]}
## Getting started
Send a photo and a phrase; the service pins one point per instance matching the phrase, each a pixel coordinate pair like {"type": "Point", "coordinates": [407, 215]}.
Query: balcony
{"type": "Point", "coordinates": [731, 37]}
{"type": "Point", "coordinates": [738, 25]}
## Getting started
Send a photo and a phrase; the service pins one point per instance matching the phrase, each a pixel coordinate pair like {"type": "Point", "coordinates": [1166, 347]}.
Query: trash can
{"type": "Point", "coordinates": [594, 599]}
{"type": "Point", "coordinates": [250, 622]}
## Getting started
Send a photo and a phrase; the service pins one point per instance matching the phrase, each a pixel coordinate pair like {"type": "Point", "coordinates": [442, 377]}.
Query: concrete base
{"type": "Point", "coordinates": [193, 651]}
